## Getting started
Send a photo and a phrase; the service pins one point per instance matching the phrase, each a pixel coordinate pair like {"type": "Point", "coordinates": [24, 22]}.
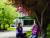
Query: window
{"type": "Point", "coordinates": [28, 22]}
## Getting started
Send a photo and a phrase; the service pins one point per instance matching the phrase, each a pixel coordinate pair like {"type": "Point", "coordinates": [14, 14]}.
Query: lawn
{"type": "Point", "coordinates": [11, 29]}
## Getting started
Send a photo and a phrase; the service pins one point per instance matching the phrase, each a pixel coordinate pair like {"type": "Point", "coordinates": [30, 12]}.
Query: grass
{"type": "Point", "coordinates": [28, 33]}
{"type": "Point", "coordinates": [11, 29]}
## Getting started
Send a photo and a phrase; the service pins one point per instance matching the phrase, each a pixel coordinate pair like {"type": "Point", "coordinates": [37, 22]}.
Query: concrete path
{"type": "Point", "coordinates": [12, 34]}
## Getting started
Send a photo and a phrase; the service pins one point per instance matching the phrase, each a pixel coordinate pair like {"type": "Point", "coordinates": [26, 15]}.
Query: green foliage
{"type": "Point", "coordinates": [1, 26]}
{"type": "Point", "coordinates": [48, 34]}
{"type": "Point", "coordinates": [6, 26]}
{"type": "Point", "coordinates": [7, 14]}
{"type": "Point", "coordinates": [28, 33]}
{"type": "Point", "coordinates": [48, 27]}
{"type": "Point", "coordinates": [18, 14]}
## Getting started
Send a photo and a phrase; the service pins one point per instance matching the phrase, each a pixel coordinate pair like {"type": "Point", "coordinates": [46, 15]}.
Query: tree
{"type": "Point", "coordinates": [41, 10]}
{"type": "Point", "coordinates": [7, 14]}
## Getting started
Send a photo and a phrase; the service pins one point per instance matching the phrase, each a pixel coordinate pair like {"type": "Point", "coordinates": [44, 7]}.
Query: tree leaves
{"type": "Point", "coordinates": [7, 13]}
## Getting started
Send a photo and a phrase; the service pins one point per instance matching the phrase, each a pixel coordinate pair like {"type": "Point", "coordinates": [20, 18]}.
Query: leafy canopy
{"type": "Point", "coordinates": [7, 13]}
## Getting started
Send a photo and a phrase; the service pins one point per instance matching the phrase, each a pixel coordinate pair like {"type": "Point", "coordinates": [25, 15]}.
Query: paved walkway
{"type": "Point", "coordinates": [7, 34]}
{"type": "Point", "coordinates": [12, 34]}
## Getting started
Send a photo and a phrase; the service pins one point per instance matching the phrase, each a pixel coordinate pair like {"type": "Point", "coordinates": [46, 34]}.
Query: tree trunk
{"type": "Point", "coordinates": [4, 27]}
{"type": "Point", "coordinates": [9, 25]}
{"type": "Point", "coordinates": [44, 29]}
{"type": "Point", "coordinates": [44, 33]}
{"type": "Point", "coordinates": [0, 26]}
{"type": "Point", "coordinates": [44, 23]}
